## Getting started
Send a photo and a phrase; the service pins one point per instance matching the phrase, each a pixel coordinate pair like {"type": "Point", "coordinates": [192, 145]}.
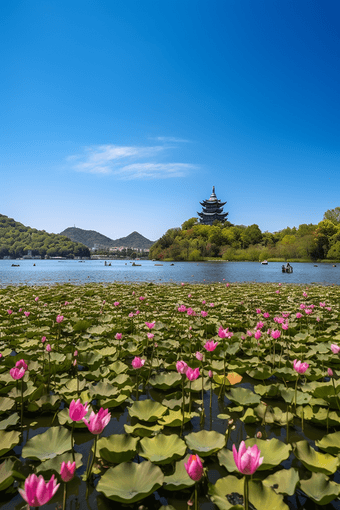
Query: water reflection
{"type": "Point", "coordinates": [49, 272]}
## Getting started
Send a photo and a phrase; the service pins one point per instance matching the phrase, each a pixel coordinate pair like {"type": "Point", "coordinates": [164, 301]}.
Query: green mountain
{"type": "Point", "coordinates": [17, 240]}
{"type": "Point", "coordinates": [91, 238]}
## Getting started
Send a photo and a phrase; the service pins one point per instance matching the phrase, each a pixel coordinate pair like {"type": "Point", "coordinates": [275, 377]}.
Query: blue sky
{"type": "Point", "coordinates": [121, 115]}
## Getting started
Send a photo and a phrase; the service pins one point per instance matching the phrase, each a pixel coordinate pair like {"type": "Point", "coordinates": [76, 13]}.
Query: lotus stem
{"type": "Point", "coordinates": [73, 455]}
{"type": "Point", "coordinates": [64, 496]}
{"type": "Point", "coordinates": [295, 395]}
{"type": "Point", "coordinates": [93, 458]}
{"type": "Point", "coordinates": [22, 405]}
{"type": "Point", "coordinates": [336, 397]}
{"type": "Point", "coordinates": [137, 385]}
{"type": "Point", "coordinates": [246, 493]}
{"type": "Point", "coordinates": [287, 424]}
{"type": "Point", "coordinates": [183, 403]}
{"type": "Point", "coordinates": [196, 496]}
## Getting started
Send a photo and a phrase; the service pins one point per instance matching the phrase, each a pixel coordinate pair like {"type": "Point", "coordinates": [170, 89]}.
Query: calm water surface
{"type": "Point", "coordinates": [47, 272]}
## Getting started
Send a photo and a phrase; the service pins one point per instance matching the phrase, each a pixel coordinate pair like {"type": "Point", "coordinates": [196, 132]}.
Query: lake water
{"type": "Point", "coordinates": [48, 272]}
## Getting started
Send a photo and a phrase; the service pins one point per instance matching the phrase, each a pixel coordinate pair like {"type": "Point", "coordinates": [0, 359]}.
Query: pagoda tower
{"type": "Point", "coordinates": [212, 210]}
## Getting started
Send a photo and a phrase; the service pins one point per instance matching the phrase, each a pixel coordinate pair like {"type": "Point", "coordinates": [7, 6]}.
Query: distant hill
{"type": "Point", "coordinates": [17, 240]}
{"type": "Point", "coordinates": [91, 237]}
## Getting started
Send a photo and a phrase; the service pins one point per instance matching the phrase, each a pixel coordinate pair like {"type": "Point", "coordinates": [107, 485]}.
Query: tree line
{"type": "Point", "coordinates": [17, 240]}
{"type": "Point", "coordinates": [194, 241]}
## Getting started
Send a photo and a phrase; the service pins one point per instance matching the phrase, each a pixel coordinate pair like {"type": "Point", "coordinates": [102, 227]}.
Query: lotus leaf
{"type": "Point", "coordinates": [163, 449]}
{"type": "Point", "coordinates": [117, 448]}
{"type": "Point", "coordinates": [118, 367]}
{"type": "Point", "coordinates": [9, 422]}
{"type": "Point", "coordinates": [55, 463]}
{"type": "Point", "coordinates": [205, 442]}
{"type": "Point", "coordinates": [130, 482]}
{"type": "Point", "coordinates": [8, 440]}
{"type": "Point", "coordinates": [288, 396]}
{"type": "Point", "coordinates": [174, 418]}
{"type": "Point", "coordinates": [147, 410]}
{"type": "Point", "coordinates": [283, 481]}
{"type": "Point", "coordinates": [142, 430]}
{"type": "Point", "coordinates": [73, 386]}
{"type": "Point", "coordinates": [262, 372]}
{"type": "Point", "coordinates": [121, 381]}
{"type": "Point", "coordinates": [319, 489]}
{"type": "Point", "coordinates": [9, 471]}
{"type": "Point", "coordinates": [249, 416]}
{"type": "Point", "coordinates": [267, 391]}
{"type": "Point", "coordinates": [326, 417]}
{"type": "Point", "coordinates": [330, 443]}
{"type": "Point", "coordinates": [243, 396]}
{"type": "Point", "coordinates": [316, 461]}
{"type": "Point", "coordinates": [96, 375]}
{"type": "Point", "coordinates": [49, 444]}
{"type": "Point", "coordinates": [166, 381]}
{"type": "Point", "coordinates": [102, 389]}
{"type": "Point", "coordinates": [107, 351]}
{"type": "Point", "coordinates": [260, 496]}
{"type": "Point", "coordinates": [179, 479]}
{"type": "Point", "coordinates": [113, 402]}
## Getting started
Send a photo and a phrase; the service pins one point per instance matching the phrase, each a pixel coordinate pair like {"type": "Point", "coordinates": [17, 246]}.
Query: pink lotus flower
{"type": "Point", "coordinates": [194, 467]}
{"type": "Point", "coordinates": [190, 311]}
{"type": "Point", "coordinates": [67, 303]}
{"type": "Point", "coordinates": [335, 348]}
{"type": "Point", "coordinates": [247, 460]}
{"type": "Point", "coordinates": [20, 309]}
{"type": "Point", "coordinates": [285, 325]}
{"type": "Point", "coordinates": [250, 333]}
{"type": "Point", "coordinates": [9, 312]}
{"type": "Point", "coordinates": [298, 315]}
{"type": "Point", "coordinates": [192, 374]}
{"type": "Point", "coordinates": [182, 284]}
{"type": "Point", "coordinates": [328, 308]}
{"type": "Point", "coordinates": [275, 334]}
{"type": "Point", "coordinates": [210, 374]}
{"type": "Point", "coordinates": [266, 315]}
{"type": "Point", "coordinates": [38, 492]}
{"type": "Point", "coordinates": [118, 336]}
{"type": "Point", "coordinates": [330, 372]}
{"type": "Point", "coordinates": [277, 292]}
{"type": "Point", "coordinates": [322, 304]}
{"type": "Point", "coordinates": [227, 284]}
{"type": "Point", "coordinates": [204, 313]}
{"type": "Point", "coordinates": [21, 364]}
{"type": "Point", "coordinates": [75, 353]}
{"type": "Point", "coordinates": [150, 325]}
{"type": "Point", "coordinates": [302, 306]}
{"type": "Point", "coordinates": [67, 471]}
{"type": "Point", "coordinates": [48, 348]}
{"type": "Point", "coordinates": [182, 308]}
{"type": "Point", "coordinates": [17, 373]}
{"type": "Point", "coordinates": [116, 303]}
{"type": "Point", "coordinates": [181, 367]}
{"type": "Point", "coordinates": [97, 422]}
{"type": "Point", "coordinates": [258, 310]}
{"type": "Point", "coordinates": [304, 294]}
{"type": "Point", "coordinates": [210, 345]}
{"type": "Point", "coordinates": [43, 339]}
{"type": "Point", "coordinates": [259, 325]}
{"type": "Point", "coordinates": [203, 302]}
{"type": "Point", "coordinates": [137, 362]}
{"type": "Point", "coordinates": [131, 314]}
{"type": "Point", "coordinates": [308, 311]}
{"type": "Point", "coordinates": [300, 367]}
{"type": "Point", "coordinates": [199, 356]}
{"type": "Point", "coordinates": [137, 312]}
{"type": "Point", "coordinates": [223, 333]}
{"type": "Point", "coordinates": [212, 305]}
{"type": "Point", "coordinates": [77, 411]}
{"type": "Point", "coordinates": [141, 298]}
{"type": "Point", "coordinates": [27, 314]}
{"type": "Point", "coordinates": [189, 296]}
{"type": "Point", "coordinates": [59, 318]}
{"type": "Point", "coordinates": [36, 299]}
{"type": "Point", "coordinates": [257, 334]}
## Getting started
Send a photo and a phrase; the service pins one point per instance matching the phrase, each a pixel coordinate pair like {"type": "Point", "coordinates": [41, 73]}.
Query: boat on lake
{"type": "Point", "coordinates": [287, 268]}
{"type": "Point", "coordinates": [264, 262]}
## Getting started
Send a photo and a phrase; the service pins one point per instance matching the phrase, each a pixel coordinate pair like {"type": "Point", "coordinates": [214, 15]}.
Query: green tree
{"type": "Point", "coordinates": [333, 215]}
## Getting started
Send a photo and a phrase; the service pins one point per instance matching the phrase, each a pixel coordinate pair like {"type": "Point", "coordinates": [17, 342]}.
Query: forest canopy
{"type": "Point", "coordinates": [16, 240]}
{"type": "Point", "coordinates": [195, 241]}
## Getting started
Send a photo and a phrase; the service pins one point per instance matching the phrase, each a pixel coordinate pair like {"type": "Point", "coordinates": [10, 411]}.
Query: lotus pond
{"type": "Point", "coordinates": [117, 348]}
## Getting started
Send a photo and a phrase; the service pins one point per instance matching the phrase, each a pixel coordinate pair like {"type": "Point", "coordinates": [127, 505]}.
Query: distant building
{"type": "Point", "coordinates": [212, 209]}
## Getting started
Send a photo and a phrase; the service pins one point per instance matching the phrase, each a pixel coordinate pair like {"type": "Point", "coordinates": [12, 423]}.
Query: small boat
{"type": "Point", "coordinates": [287, 268]}
{"type": "Point", "coordinates": [15, 265]}
{"type": "Point", "coordinates": [133, 264]}
{"type": "Point", "coordinates": [158, 264]}
{"type": "Point", "coordinates": [264, 262]}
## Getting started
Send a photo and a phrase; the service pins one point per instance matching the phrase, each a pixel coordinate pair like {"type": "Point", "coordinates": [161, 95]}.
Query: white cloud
{"type": "Point", "coordinates": [128, 162]}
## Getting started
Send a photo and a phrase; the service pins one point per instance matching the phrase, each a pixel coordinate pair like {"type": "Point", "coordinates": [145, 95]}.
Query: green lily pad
{"type": "Point", "coordinates": [243, 396]}
{"type": "Point", "coordinates": [9, 422]}
{"type": "Point", "coordinates": [166, 381]}
{"type": "Point", "coordinates": [8, 440]}
{"type": "Point", "coordinates": [117, 448]}
{"type": "Point", "coordinates": [174, 418]}
{"type": "Point", "coordinates": [283, 481]}
{"type": "Point", "coordinates": [147, 410]}
{"type": "Point", "coordinates": [249, 416]}
{"type": "Point", "coordinates": [9, 471]}
{"type": "Point", "coordinates": [259, 495]}
{"type": "Point", "coordinates": [205, 442]}
{"type": "Point", "coordinates": [319, 489]}
{"type": "Point", "coordinates": [142, 430]}
{"type": "Point", "coordinates": [49, 444]}
{"type": "Point", "coordinates": [270, 414]}
{"type": "Point", "coordinates": [102, 389]}
{"type": "Point", "coordinates": [55, 463]}
{"type": "Point", "coordinates": [179, 479]}
{"type": "Point", "coordinates": [130, 482]}
{"type": "Point", "coordinates": [6, 404]}
{"type": "Point", "coordinates": [330, 443]}
{"type": "Point", "coordinates": [163, 449]}
{"type": "Point", "coordinates": [316, 461]}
